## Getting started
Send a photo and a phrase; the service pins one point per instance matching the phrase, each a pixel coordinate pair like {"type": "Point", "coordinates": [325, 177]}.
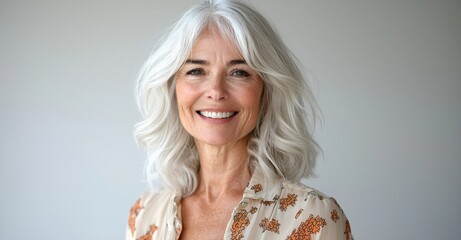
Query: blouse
{"type": "Point", "coordinates": [268, 210]}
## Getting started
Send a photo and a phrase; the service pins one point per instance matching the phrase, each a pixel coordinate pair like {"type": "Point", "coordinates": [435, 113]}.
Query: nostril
{"type": "Point", "coordinates": [217, 94]}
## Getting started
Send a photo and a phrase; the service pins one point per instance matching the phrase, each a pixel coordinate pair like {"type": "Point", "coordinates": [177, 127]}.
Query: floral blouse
{"type": "Point", "coordinates": [268, 210]}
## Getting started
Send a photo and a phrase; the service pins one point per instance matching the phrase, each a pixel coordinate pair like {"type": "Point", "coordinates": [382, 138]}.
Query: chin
{"type": "Point", "coordinates": [221, 140]}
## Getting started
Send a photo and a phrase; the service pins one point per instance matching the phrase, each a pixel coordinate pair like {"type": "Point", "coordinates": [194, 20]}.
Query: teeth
{"type": "Point", "coordinates": [217, 114]}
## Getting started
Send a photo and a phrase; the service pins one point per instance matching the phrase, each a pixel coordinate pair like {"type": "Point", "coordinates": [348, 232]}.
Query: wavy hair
{"type": "Point", "coordinates": [281, 143]}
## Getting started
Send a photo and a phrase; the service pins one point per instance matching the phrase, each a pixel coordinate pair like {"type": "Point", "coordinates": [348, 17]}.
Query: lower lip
{"type": "Point", "coordinates": [216, 120]}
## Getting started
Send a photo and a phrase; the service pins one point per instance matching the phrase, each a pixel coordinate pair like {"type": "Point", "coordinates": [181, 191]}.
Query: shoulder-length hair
{"type": "Point", "coordinates": [281, 143]}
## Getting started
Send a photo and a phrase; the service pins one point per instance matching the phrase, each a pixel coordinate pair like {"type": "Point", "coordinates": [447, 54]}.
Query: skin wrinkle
{"type": "Point", "coordinates": [208, 80]}
{"type": "Point", "coordinates": [215, 77]}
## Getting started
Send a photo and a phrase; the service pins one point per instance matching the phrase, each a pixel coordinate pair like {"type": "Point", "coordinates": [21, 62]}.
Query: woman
{"type": "Point", "coordinates": [226, 129]}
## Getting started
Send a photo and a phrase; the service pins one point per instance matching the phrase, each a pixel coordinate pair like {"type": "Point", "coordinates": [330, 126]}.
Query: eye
{"type": "Point", "coordinates": [239, 73]}
{"type": "Point", "coordinates": [195, 72]}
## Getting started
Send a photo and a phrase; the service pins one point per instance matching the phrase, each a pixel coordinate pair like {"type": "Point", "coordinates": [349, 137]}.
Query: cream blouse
{"type": "Point", "coordinates": [268, 210]}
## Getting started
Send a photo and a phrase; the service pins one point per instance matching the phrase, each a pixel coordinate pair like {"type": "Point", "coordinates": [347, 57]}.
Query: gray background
{"type": "Point", "coordinates": [387, 75]}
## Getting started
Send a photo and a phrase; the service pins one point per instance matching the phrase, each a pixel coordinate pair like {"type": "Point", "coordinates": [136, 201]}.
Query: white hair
{"type": "Point", "coordinates": [281, 142]}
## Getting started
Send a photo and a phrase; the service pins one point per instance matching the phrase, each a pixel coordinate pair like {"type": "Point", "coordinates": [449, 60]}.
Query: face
{"type": "Point", "coordinates": [218, 94]}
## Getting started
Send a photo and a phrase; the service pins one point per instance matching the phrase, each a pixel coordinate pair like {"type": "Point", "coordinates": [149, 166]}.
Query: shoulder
{"type": "Point", "coordinates": [307, 194]}
{"type": "Point", "coordinates": [157, 198]}
{"type": "Point", "coordinates": [314, 208]}
{"type": "Point", "coordinates": [151, 203]}
{"type": "Point", "coordinates": [149, 211]}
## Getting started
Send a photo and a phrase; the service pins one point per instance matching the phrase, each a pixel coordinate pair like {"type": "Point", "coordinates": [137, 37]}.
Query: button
{"type": "Point", "coordinates": [244, 204]}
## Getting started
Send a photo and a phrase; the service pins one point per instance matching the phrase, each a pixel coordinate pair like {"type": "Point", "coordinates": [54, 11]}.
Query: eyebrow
{"type": "Point", "coordinates": [196, 61]}
{"type": "Point", "coordinates": [205, 62]}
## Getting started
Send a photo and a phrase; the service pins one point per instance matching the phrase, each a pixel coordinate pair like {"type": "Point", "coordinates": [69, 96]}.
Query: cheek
{"type": "Point", "coordinates": [186, 97]}
{"type": "Point", "coordinates": [181, 101]}
{"type": "Point", "coordinates": [184, 94]}
{"type": "Point", "coordinates": [183, 108]}
{"type": "Point", "coordinates": [250, 101]}
{"type": "Point", "coordinates": [252, 97]}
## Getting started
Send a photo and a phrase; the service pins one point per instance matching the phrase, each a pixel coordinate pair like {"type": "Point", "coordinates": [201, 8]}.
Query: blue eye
{"type": "Point", "coordinates": [194, 72]}
{"type": "Point", "coordinates": [240, 73]}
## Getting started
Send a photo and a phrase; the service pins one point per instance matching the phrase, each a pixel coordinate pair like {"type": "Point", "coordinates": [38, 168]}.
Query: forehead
{"type": "Point", "coordinates": [212, 42]}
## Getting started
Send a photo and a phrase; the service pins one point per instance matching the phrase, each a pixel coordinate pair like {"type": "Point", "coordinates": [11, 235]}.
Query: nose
{"type": "Point", "coordinates": [217, 90]}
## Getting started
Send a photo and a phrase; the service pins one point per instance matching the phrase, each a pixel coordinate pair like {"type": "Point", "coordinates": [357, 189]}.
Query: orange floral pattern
{"type": "Point", "coordinates": [348, 230]}
{"type": "Point", "coordinates": [267, 203]}
{"type": "Point", "coordinates": [279, 210]}
{"type": "Point", "coordinates": [257, 188]}
{"type": "Point", "coordinates": [334, 216]}
{"type": "Point", "coordinates": [241, 221]}
{"type": "Point", "coordinates": [134, 211]}
{"type": "Point", "coordinates": [272, 225]}
{"type": "Point", "coordinates": [290, 200]}
{"type": "Point", "coordinates": [310, 226]}
{"type": "Point", "coordinates": [299, 213]}
{"type": "Point", "coordinates": [148, 235]}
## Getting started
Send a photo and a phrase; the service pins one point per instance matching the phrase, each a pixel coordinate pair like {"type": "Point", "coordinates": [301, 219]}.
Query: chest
{"type": "Point", "coordinates": [202, 221]}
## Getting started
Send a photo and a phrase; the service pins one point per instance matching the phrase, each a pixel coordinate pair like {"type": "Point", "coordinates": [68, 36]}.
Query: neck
{"type": "Point", "coordinates": [224, 170]}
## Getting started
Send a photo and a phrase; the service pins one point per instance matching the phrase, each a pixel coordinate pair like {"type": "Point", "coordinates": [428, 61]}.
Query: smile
{"type": "Point", "coordinates": [216, 114]}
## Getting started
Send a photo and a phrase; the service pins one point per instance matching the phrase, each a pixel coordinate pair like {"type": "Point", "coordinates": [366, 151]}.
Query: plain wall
{"type": "Point", "coordinates": [387, 76]}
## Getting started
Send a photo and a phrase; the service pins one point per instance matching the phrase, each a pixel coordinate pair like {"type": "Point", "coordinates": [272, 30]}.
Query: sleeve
{"type": "Point", "coordinates": [134, 212]}
{"type": "Point", "coordinates": [335, 223]}
{"type": "Point", "coordinates": [146, 214]}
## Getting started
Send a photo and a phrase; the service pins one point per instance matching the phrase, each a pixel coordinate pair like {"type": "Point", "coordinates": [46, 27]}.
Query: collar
{"type": "Point", "coordinates": [261, 187]}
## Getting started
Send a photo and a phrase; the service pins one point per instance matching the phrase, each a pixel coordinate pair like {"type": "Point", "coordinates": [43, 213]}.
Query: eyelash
{"type": "Point", "coordinates": [191, 72]}
{"type": "Point", "coordinates": [244, 73]}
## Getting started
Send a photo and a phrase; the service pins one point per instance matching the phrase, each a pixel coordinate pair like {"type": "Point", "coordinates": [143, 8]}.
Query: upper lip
{"type": "Point", "coordinates": [218, 113]}
{"type": "Point", "coordinates": [215, 110]}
